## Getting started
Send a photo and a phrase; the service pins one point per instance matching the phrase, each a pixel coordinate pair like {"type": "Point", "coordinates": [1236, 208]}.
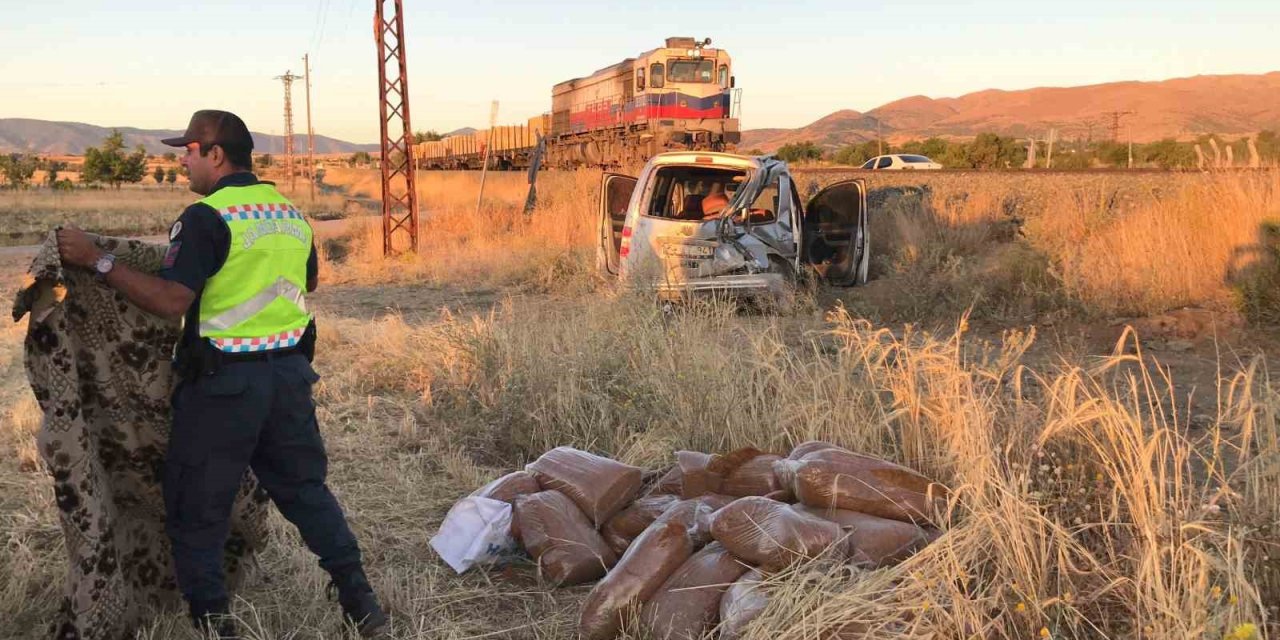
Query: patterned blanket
{"type": "Point", "coordinates": [100, 370]}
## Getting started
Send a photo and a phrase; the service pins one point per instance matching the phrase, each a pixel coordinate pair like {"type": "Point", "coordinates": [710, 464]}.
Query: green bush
{"type": "Point", "coordinates": [800, 151]}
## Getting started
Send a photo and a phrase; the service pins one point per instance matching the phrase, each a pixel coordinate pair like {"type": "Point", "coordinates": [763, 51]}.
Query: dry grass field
{"type": "Point", "coordinates": [25, 215]}
{"type": "Point", "coordinates": [1083, 360]}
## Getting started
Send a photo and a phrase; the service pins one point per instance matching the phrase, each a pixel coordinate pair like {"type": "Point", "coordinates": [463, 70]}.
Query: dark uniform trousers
{"type": "Point", "coordinates": [255, 414]}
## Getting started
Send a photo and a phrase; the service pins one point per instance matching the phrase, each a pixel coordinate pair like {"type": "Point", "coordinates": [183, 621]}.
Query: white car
{"type": "Point", "coordinates": [900, 161]}
{"type": "Point", "coordinates": [701, 222]}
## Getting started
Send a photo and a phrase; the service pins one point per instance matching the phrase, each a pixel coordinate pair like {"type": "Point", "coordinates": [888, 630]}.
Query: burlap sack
{"type": "Point", "coordinates": [599, 486]}
{"type": "Point", "coordinates": [696, 476]}
{"type": "Point", "coordinates": [805, 448]}
{"type": "Point", "coordinates": [560, 539]}
{"type": "Point", "coordinates": [688, 603]}
{"type": "Point", "coordinates": [872, 541]}
{"type": "Point", "coordinates": [743, 602]}
{"type": "Point", "coordinates": [834, 478]}
{"type": "Point", "coordinates": [629, 523]}
{"type": "Point", "coordinates": [506, 489]}
{"type": "Point", "coordinates": [771, 534]}
{"type": "Point", "coordinates": [648, 562]}
{"type": "Point", "coordinates": [671, 483]}
{"type": "Point", "coordinates": [754, 477]}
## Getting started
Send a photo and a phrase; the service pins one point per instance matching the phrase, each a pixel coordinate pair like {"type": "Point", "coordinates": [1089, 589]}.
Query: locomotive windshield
{"type": "Point", "coordinates": [691, 70]}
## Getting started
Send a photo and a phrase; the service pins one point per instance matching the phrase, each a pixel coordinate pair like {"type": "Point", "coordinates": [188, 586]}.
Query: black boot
{"type": "Point", "coordinates": [212, 618]}
{"type": "Point", "coordinates": [359, 605]}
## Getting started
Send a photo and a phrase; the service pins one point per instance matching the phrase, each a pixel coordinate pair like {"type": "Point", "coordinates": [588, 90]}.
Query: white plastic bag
{"type": "Point", "coordinates": [477, 531]}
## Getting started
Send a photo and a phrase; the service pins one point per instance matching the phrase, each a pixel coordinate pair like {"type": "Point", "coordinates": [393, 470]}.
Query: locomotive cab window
{"type": "Point", "coordinates": [692, 71]}
{"type": "Point", "coordinates": [724, 76]}
{"type": "Point", "coordinates": [656, 75]}
{"type": "Point", "coordinates": [639, 79]}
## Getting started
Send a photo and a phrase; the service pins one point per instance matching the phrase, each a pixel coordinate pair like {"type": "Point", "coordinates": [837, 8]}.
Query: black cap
{"type": "Point", "coordinates": [209, 127]}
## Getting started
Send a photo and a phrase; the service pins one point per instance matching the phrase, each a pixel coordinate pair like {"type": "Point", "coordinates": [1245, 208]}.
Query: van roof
{"type": "Point", "coordinates": [713, 158]}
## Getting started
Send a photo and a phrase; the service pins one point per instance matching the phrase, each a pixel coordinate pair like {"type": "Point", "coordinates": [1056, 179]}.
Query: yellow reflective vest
{"type": "Point", "coordinates": [257, 300]}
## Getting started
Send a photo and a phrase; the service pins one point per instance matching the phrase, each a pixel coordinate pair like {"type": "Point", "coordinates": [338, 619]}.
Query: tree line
{"type": "Point", "coordinates": [109, 163]}
{"type": "Point", "coordinates": [993, 151]}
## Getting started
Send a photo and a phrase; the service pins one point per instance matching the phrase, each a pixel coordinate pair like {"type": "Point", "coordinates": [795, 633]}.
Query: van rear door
{"type": "Point", "coordinates": [835, 233]}
{"type": "Point", "coordinates": [615, 196]}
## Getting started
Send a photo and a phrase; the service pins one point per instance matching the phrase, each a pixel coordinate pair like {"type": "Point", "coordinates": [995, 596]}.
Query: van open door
{"type": "Point", "coordinates": [615, 196]}
{"type": "Point", "coordinates": [835, 233]}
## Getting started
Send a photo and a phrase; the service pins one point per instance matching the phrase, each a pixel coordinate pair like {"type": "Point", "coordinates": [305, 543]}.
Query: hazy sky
{"type": "Point", "coordinates": [150, 64]}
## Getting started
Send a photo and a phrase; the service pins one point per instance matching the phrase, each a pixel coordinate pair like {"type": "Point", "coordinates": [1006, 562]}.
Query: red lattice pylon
{"type": "Point", "coordinates": [399, 189]}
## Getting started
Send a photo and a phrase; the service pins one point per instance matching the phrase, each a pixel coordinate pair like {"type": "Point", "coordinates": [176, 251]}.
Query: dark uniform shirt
{"type": "Point", "coordinates": [198, 246]}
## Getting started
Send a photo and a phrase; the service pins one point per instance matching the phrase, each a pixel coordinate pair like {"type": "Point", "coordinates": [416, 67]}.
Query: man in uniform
{"type": "Point", "coordinates": [237, 265]}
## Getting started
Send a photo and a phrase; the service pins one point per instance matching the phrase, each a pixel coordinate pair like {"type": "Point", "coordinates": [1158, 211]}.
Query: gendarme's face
{"type": "Point", "coordinates": [199, 169]}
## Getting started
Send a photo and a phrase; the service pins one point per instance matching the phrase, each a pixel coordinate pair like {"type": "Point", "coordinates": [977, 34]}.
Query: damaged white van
{"type": "Point", "coordinates": [700, 222]}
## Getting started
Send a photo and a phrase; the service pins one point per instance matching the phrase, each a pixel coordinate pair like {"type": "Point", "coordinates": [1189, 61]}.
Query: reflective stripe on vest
{"type": "Point", "coordinates": [280, 289]}
{"type": "Point", "coordinates": [257, 301]}
{"type": "Point", "coordinates": [248, 345]}
{"type": "Point", "coordinates": [273, 211]}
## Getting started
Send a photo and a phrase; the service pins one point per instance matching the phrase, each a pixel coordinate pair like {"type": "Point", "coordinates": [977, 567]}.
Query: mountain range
{"type": "Point", "coordinates": [26, 135]}
{"type": "Point", "coordinates": [1181, 108]}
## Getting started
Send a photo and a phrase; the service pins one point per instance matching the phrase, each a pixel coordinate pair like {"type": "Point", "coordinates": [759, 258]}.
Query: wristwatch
{"type": "Point", "coordinates": [105, 263]}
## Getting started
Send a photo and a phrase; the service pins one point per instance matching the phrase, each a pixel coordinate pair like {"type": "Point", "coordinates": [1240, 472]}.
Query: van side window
{"type": "Point", "coordinates": [796, 206]}
{"type": "Point", "coordinates": [639, 79]}
{"type": "Point", "coordinates": [765, 207]}
{"type": "Point", "coordinates": [870, 164]}
{"type": "Point", "coordinates": [884, 162]}
{"type": "Point", "coordinates": [657, 77]}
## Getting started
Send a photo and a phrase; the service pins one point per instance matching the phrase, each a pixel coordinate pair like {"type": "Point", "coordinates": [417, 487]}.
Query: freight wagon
{"type": "Point", "coordinates": [681, 96]}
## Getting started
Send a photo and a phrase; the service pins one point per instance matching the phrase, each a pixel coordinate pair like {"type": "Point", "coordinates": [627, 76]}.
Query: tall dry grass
{"type": "Point", "coordinates": [1189, 248]}
{"type": "Point", "coordinates": [1081, 505]}
{"type": "Point", "coordinates": [496, 246]}
{"type": "Point", "coordinates": [1079, 251]}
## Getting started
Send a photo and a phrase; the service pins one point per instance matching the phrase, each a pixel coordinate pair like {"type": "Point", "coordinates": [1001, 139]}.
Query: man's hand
{"type": "Point", "coordinates": [76, 248]}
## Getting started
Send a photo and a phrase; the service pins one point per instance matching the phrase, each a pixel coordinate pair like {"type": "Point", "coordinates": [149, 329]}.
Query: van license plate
{"type": "Point", "coordinates": [688, 251]}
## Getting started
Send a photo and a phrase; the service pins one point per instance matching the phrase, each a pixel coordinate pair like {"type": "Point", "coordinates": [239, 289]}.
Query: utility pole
{"type": "Point", "coordinates": [488, 148]}
{"type": "Point", "coordinates": [879, 138]}
{"type": "Point", "coordinates": [311, 133]}
{"type": "Point", "coordinates": [288, 79]}
{"type": "Point", "coordinates": [1048, 160]}
{"type": "Point", "coordinates": [1129, 135]}
{"type": "Point", "coordinates": [399, 184]}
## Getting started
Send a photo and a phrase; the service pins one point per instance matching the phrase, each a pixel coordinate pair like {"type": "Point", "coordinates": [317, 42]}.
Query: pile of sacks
{"type": "Point", "coordinates": [685, 551]}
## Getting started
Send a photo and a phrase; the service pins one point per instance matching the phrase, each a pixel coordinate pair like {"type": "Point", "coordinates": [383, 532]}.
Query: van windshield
{"type": "Point", "coordinates": [691, 71]}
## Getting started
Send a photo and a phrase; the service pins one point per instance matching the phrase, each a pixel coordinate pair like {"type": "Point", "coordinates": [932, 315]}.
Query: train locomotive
{"type": "Point", "coordinates": [680, 96]}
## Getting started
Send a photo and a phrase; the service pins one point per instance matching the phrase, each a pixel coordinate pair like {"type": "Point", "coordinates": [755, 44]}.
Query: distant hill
{"type": "Point", "coordinates": [71, 138]}
{"type": "Point", "coordinates": [1181, 108]}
